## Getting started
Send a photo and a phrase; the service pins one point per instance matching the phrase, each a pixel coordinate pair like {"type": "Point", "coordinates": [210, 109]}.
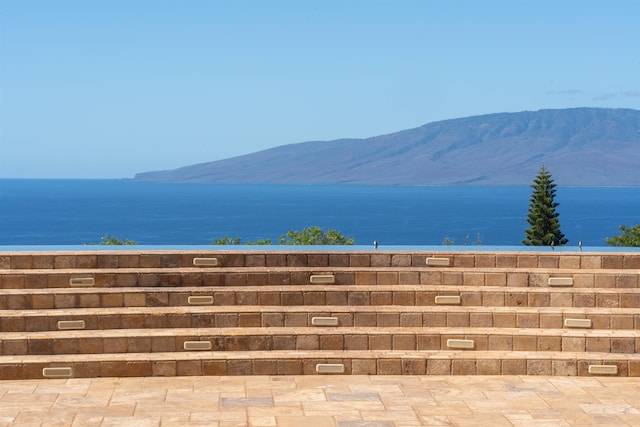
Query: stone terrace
{"type": "Point", "coordinates": [169, 313]}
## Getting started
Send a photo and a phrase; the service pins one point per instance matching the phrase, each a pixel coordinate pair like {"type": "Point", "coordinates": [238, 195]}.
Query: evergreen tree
{"type": "Point", "coordinates": [543, 220]}
{"type": "Point", "coordinates": [630, 236]}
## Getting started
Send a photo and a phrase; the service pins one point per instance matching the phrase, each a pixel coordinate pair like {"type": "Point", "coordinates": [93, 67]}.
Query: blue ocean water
{"type": "Point", "coordinates": [78, 212]}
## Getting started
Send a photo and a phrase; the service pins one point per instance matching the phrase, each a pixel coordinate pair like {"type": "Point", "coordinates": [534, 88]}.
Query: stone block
{"type": "Point", "coordinates": [408, 277]}
{"type": "Point", "coordinates": [631, 261]}
{"type": "Point", "coordinates": [504, 320]}
{"type": "Point", "coordinates": [381, 298]}
{"type": "Point", "coordinates": [549, 343]}
{"type": "Point", "coordinates": [363, 367]}
{"type": "Point", "coordinates": [275, 260]}
{"type": "Point", "coordinates": [388, 319]}
{"type": "Point", "coordinates": [389, 367]}
{"type": "Point", "coordinates": [414, 366]}
{"type": "Point", "coordinates": [564, 368]}
{"type": "Point", "coordinates": [407, 298]}
{"type": "Point", "coordinates": [584, 300]}
{"type": "Point", "coordinates": [356, 342]}
{"type": "Point", "coordinates": [439, 367]}
{"type": "Point", "coordinates": [495, 279]}
{"type": "Point", "coordinates": [591, 262]}
{"type": "Point", "coordinates": [613, 261]}
{"type": "Point", "coordinates": [473, 279]}
{"type": "Point", "coordinates": [493, 299]}
{"type": "Point", "coordinates": [623, 345]}
{"type": "Point", "coordinates": [431, 278]}
{"type": "Point", "coordinates": [463, 367]}
{"type": "Point", "coordinates": [500, 342]}
{"type": "Point", "coordinates": [381, 260]}
{"type": "Point", "coordinates": [365, 319]}
{"type": "Point", "coordinates": [401, 260]}
{"type": "Point", "coordinates": [404, 342]}
{"type": "Point", "coordinates": [359, 260]}
{"type": "Point", "coordinates": [297, 260]}
{"type": "Point", "coordinates": [289, 367]}
{"type": "Point", "coordinates": [380, 342]}
{"type": "Point", "coordinates": [514, 367]}
{"type": "Point", "coordinates": [488, 366]}
{"type": "Point", "coordinates": [583, 280]}
{"type": "Point", "coordinates": [551, 321]}
{"type": "Point", "coordinates": [527, 261]}
{"type": "Point", "coordinates": [598, 345]}
{"type": "Point", "coordinates": [527, 320]}
{"type": "Point", "coordinates": [629, 300]}
{"type": "Point", "coordinates": [569, 262]}
{"type": "Point", "coordinates": [452, 278]}
{"type": "Point", "coordinates": [627, 281]}
{"type": "Point", "coordinates": [387, 278]}
{"type": "Point", "coordinates": [481, 320]}
{"type": "Point", "coordinates": [549, 261]}
{"type": "Point", "coordinates": [539, 367]}
{"type": "Point", "coordinates": [318, 260]}
{"type": "Point", "coordinates": [239, 367]}
{"type": "Point", "coordinates": [428, 342]}
{"type": "Point", "coordinates": [561, 299]}
{"type": "Point", "coordinates": [506, 261]}
{"type": "Point", "coordinates": [308, 342]}
{"type": "Point", "coordinates": [516, 299]}
{"type": "Point", "coordinates": [216, 367]}
{"type": "Point", "coordinates": [459, 319]}
{"type": "Point", "coordinates": [164, 368]}
{"type": "Point", "coordinates": [607, 300]}
{"type": "Point", "coordinates": [485, 260]}
{"type": "Point", "coordinates": [264, 367]}
{"type": "Point", "coordinates": [189, 368]}
{"type": "Point", "coordinates": [518, 279]}
{"type": "Point", "coordinates": [573, 344]}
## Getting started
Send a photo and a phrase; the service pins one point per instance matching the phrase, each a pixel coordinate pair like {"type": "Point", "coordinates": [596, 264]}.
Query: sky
{"type": "Point", "coordinates": [106, 89]}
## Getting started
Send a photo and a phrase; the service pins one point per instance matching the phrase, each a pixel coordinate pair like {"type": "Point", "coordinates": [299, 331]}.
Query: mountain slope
{"type": "Point", "coordinates": [582, 146]}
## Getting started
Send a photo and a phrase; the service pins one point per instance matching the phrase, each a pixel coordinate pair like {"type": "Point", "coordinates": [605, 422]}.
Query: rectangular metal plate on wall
{"type": "Point", "coordinates": [63, 372]}
{"type": "Point", "coordinates": [197, 345]}
{"type": "Point", "coordinates": [461, 344]}
{"type": "Point", "coordinates": [438, 262]}
{"type": "Point", "coordinates": [448, 299]}
{"type": "Point", "coordinates": [82, 281]}
{"type": "Point", "coordinates": [324, 321]}
{"type": "Point", "coordinates": [71, 324]}
{"type": "Point", "coordinates": [200, 300]}
{"type": "Point", "coordinates": [603, 369]}
{"type": "Point", "coordinates": [322, 279]}
{"type": "Point", "coordinates": [577, 323]}
{"type": "Point", "coordinates": [330, 368]}
{"type": "Point", "coordinates": [560, 281]}
{"type": "Point", "coordinates": [205, 262]}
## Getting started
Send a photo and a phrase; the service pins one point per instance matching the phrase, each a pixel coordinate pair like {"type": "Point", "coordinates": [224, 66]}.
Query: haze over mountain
{"type": "Point", "coordinates": [579, 146]}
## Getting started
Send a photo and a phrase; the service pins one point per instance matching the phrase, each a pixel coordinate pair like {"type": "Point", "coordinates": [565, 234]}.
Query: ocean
{"type": "Point", "coordinates": [79, 212]}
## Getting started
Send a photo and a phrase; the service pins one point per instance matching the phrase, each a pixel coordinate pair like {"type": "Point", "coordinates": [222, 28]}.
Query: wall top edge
{"type": "Point", "coordinates": [276, 249]}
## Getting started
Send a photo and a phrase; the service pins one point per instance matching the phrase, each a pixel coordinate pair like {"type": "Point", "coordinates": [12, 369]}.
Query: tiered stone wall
{"type": "Point", "coordinates": [145, 313]}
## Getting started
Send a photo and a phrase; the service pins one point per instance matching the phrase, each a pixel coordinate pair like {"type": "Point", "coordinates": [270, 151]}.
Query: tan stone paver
{"type": "Point", "coordinates": [323, 401]}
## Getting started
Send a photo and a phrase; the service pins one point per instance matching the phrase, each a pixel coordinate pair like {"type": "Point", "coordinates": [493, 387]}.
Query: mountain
{"type": "Point", "coordinates": [579, 146]}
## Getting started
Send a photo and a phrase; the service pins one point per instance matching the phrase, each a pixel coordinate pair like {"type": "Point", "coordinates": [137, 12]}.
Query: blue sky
{"type": "Point", "coordinates": [106, 89]}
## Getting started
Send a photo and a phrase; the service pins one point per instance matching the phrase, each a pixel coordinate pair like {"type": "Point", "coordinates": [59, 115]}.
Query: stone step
{"type": "Point", "coordinates": [255, 257]}
{"type": "Point", "coordinates": [302, 316]}
{"type": "Point", "coordinates": [278, 276]}
{"type": "Point", "coordinates": [359, 362]}
{"type": "Point", "coordinates": [318, 338]}
{"type": "Point", "coordinates": [319, 295]}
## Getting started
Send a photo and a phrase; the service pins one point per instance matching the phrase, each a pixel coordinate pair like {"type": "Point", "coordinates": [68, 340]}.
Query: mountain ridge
{"type": "Point", "coordinates": [579, 146]}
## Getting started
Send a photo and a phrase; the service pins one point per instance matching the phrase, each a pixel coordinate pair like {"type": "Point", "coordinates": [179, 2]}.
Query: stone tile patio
{"type": "Point", "coordinates": [323, 401]}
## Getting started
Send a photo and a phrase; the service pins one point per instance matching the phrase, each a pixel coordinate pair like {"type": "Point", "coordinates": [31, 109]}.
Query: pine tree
{"type": "Point", "coordinates": [543, 219]}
